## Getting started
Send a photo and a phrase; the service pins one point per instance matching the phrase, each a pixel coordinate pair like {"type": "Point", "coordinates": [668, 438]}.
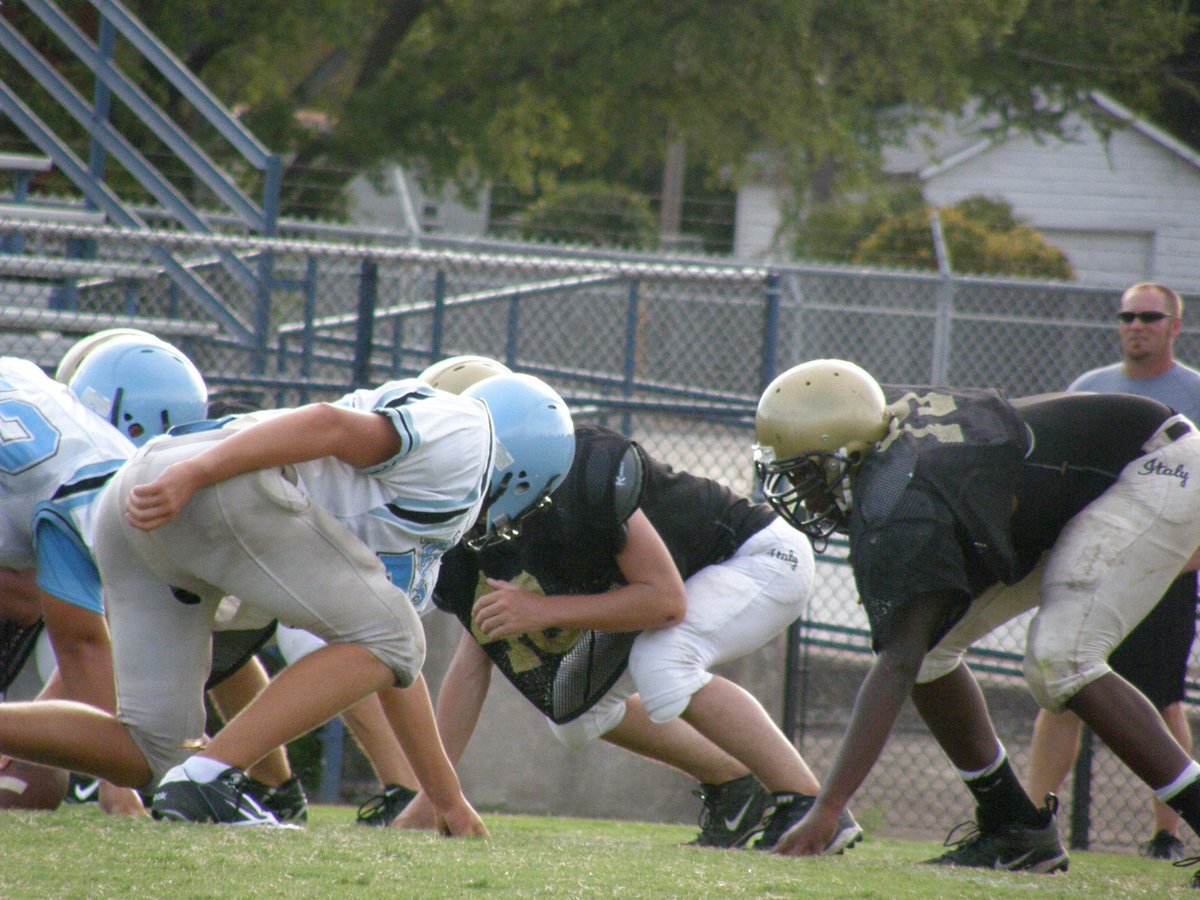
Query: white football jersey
{"type": "Point", "coordinates": [53, 450]}
{"type": "Point", "coordinates": [417, 505]}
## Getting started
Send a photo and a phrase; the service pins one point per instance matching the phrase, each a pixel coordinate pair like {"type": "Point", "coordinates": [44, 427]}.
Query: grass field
{"type": "Point", "coordinates": [77, 852]}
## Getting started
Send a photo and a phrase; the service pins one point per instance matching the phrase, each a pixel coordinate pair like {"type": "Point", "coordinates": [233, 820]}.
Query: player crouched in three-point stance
{"type": "Point", "coordinates": [286, 510]}
{"type": "Point", "coordinates": [608, 613]}
{"type": "Point", "coordinates": [963, 510]}
{"type": "Point", "coordinates": [59, 445]}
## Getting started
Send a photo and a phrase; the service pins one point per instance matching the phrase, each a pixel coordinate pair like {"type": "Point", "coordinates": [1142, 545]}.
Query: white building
{"type": "Point", "coordinates": [1124, 206]}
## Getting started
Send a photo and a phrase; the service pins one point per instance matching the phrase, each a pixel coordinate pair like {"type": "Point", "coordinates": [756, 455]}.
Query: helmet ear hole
{"type": "Point", "coordinates": [141, 386]}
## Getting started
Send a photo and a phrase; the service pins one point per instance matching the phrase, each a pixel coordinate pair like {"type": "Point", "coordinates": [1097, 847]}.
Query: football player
{"type": "Point", "coordinates": [283, 510]}
{"type": "Point", "coordinates": [608, 613]}
{"type": "Point", "coordinates": [60, 445]}
{"type": "Point", "coordinates": [963, 510]}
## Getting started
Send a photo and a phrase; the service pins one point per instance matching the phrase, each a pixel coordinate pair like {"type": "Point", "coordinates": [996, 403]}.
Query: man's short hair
{"type": "Point", "coordinates": [1174, 301]}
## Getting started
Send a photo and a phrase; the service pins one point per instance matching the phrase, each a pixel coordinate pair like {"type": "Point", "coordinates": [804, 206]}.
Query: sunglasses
{"type": "Point", "coordinates": [1145, 317]}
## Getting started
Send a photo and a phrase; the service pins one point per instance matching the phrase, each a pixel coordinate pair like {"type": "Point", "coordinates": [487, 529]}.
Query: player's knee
{"type": "Point", "coordinates": [667, 700]}
{"type": "Point", "coordinates": [592, 725]}
{"type": "Point", "coordinates": [938, 663]}
{"type": "Point", "coordinates": [1054, 679]}
{"type": "Point", "coordinates": [404, 654]}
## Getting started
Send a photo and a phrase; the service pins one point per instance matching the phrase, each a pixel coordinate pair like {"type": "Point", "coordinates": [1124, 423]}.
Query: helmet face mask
{"type": "Point", "coordinates": [815, 423]}
{"type": "Point", "coordinates": [809, 492]}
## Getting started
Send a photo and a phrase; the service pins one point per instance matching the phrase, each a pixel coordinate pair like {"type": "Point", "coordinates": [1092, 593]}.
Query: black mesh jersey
{"type": "Point", "coordinates": [571, 548]}
{"type": "Point", "coordinates": [933, 505]}
{"type": "Point", "coordinates": [1081, 442]}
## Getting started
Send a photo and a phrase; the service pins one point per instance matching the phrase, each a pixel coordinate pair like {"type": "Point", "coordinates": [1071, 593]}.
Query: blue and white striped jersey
{"type": "Point", "coordinates": [55, 456]}
{"type": "Point", "coordinates": [417, 505]}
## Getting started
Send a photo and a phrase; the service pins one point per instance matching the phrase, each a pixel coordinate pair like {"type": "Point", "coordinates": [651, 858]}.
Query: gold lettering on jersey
{"type": "Point", "coordinates": [521, 657]}
{"type": "Point", "coordinates": [930, 405]}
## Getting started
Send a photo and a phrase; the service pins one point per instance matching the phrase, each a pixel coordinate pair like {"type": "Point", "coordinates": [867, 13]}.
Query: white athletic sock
{"type": "Point", "coordinates": [1190, 773]}
{"type": "Point", "coordinates": [986, 770]}
{"type": "Point", "coordinates": [197, 768]}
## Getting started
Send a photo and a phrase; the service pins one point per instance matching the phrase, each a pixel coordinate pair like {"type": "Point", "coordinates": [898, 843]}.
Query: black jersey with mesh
{"type": "Point", "coordinates": [572, 548]}
{"type": "Point", "coordinates": [934, 503]}
{"type": "Point", "coordinates": [16, 645]}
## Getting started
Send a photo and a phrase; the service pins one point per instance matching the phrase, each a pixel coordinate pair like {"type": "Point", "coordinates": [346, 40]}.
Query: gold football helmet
{"type": "Point", "coordinates": [457, 373]}
{"type": "Point", "coordinates": [814, 425]}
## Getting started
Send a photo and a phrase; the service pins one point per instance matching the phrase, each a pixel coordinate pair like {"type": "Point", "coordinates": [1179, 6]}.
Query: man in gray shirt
{"type": "Point", "coordinates": [1154, 656]}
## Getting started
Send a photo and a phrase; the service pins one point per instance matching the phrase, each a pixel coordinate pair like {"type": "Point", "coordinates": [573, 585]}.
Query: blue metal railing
{"type": "Point", "coordinates": [106, 142]}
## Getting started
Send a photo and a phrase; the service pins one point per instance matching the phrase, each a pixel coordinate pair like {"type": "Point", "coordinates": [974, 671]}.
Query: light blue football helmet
{"type": "Point", "coordinates": [535, 445]}
{"type": "Point", "coordinates": [141, 387]}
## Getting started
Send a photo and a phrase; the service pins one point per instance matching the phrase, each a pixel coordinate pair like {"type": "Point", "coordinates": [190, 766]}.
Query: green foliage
{"type": "Point", "coordinates": [832, 231]}
{"type": "Point", "coordinates": [527, 857]}
{"type": "Point", "coordinates": [982, 238]}
{"type": "Point", "coordinates": [537, 93]}
{"type": "Point", "coordinates": [590, 213]}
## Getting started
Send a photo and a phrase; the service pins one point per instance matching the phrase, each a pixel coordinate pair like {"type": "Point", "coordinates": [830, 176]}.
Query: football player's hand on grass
{"type": "Point", "coordinates": [419, 813]}
{"type": "Point", "coordinates": [461, 820]}
{"type": "Point", "coordinates": [120, 801]}
{"type": "Point", "coordinates": [811, 835]}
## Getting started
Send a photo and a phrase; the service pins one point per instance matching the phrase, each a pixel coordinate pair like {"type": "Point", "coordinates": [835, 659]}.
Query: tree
{"type": "Point", "coordinates": [532, 93]}
{"type": "Point", "coordinates": [982, 238]}
{"type": "Point", "coordinates": [589, 213]}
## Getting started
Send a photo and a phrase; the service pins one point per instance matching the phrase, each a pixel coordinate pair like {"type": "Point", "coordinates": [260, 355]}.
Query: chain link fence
{"type": "Point", "coordinates": [672, 351]}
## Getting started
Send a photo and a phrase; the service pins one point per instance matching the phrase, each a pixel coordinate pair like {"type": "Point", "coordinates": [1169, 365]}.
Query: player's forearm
{"type": "Point", "coordinates": [305, 434]}
{"type": "Point", "coordinates": [631, 607]}
{"type": "Point", "coordinates": [461, 697]}
{"type": "Point", "coordinates": [422, 745]}
{"type": "Point", "coordinates": [876, 707]}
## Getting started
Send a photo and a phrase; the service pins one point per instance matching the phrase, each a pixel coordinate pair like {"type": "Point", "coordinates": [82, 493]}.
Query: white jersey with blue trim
{"type": "Point", "coordinates": [417, 505]}
{"type": "Point", "coordinates": [55, 454]}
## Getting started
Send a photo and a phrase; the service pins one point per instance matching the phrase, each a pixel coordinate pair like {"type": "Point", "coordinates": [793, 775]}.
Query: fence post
{"type": "Point", "coordinates": [333, 737]}
{"type": "Point", "coordinates": [793, 678]}
{"type": "Point", "coordinates": [945, 301]}
{"type": "Point", "coordinates": [629, 373]}
{"type": "Point", "coordinates": [770, 351]}
{"type": "Point", "coordinates": [439, 316]}
{"type": "Point", "coordinates": [1081, 798]}
{"type": "Point", "coordinates": [364, 328]}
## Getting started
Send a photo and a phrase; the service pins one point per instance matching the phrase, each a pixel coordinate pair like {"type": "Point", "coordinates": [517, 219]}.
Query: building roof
{"type": "Point", "coordinates": [936, 147]}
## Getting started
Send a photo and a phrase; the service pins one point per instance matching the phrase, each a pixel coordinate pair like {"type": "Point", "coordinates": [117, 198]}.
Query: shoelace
{"type": "Point", "coordinates": [240, 782]}
{"type": "Point", "coordinates": [970, 831]}
{"type": "Point", "coordinates": [379, 803]}
{"type": "Point", "coordinates": [708, 810]}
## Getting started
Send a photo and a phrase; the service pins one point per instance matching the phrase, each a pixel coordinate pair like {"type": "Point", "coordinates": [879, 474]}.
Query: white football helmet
{"type": "Point", "coordinates": [457, 373]}
{"type": "Point", "coordinates": [815, 423]}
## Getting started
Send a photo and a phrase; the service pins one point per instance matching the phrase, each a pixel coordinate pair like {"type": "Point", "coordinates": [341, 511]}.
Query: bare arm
{"type": "Point", "coordinates": [653, 597]}
{"type": "Point", "coordinates": [461, 697]}
{"type": "Point", "coordinates": [20, 600]}
{"type": "Point", "coordinates": [876, 707]}
{"type": "Point", "coordinates": [460, 700]}
{"type": "Point", "coordinates": [418, 736]}
{"type": "Point", "coordinates": [360, 439]}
